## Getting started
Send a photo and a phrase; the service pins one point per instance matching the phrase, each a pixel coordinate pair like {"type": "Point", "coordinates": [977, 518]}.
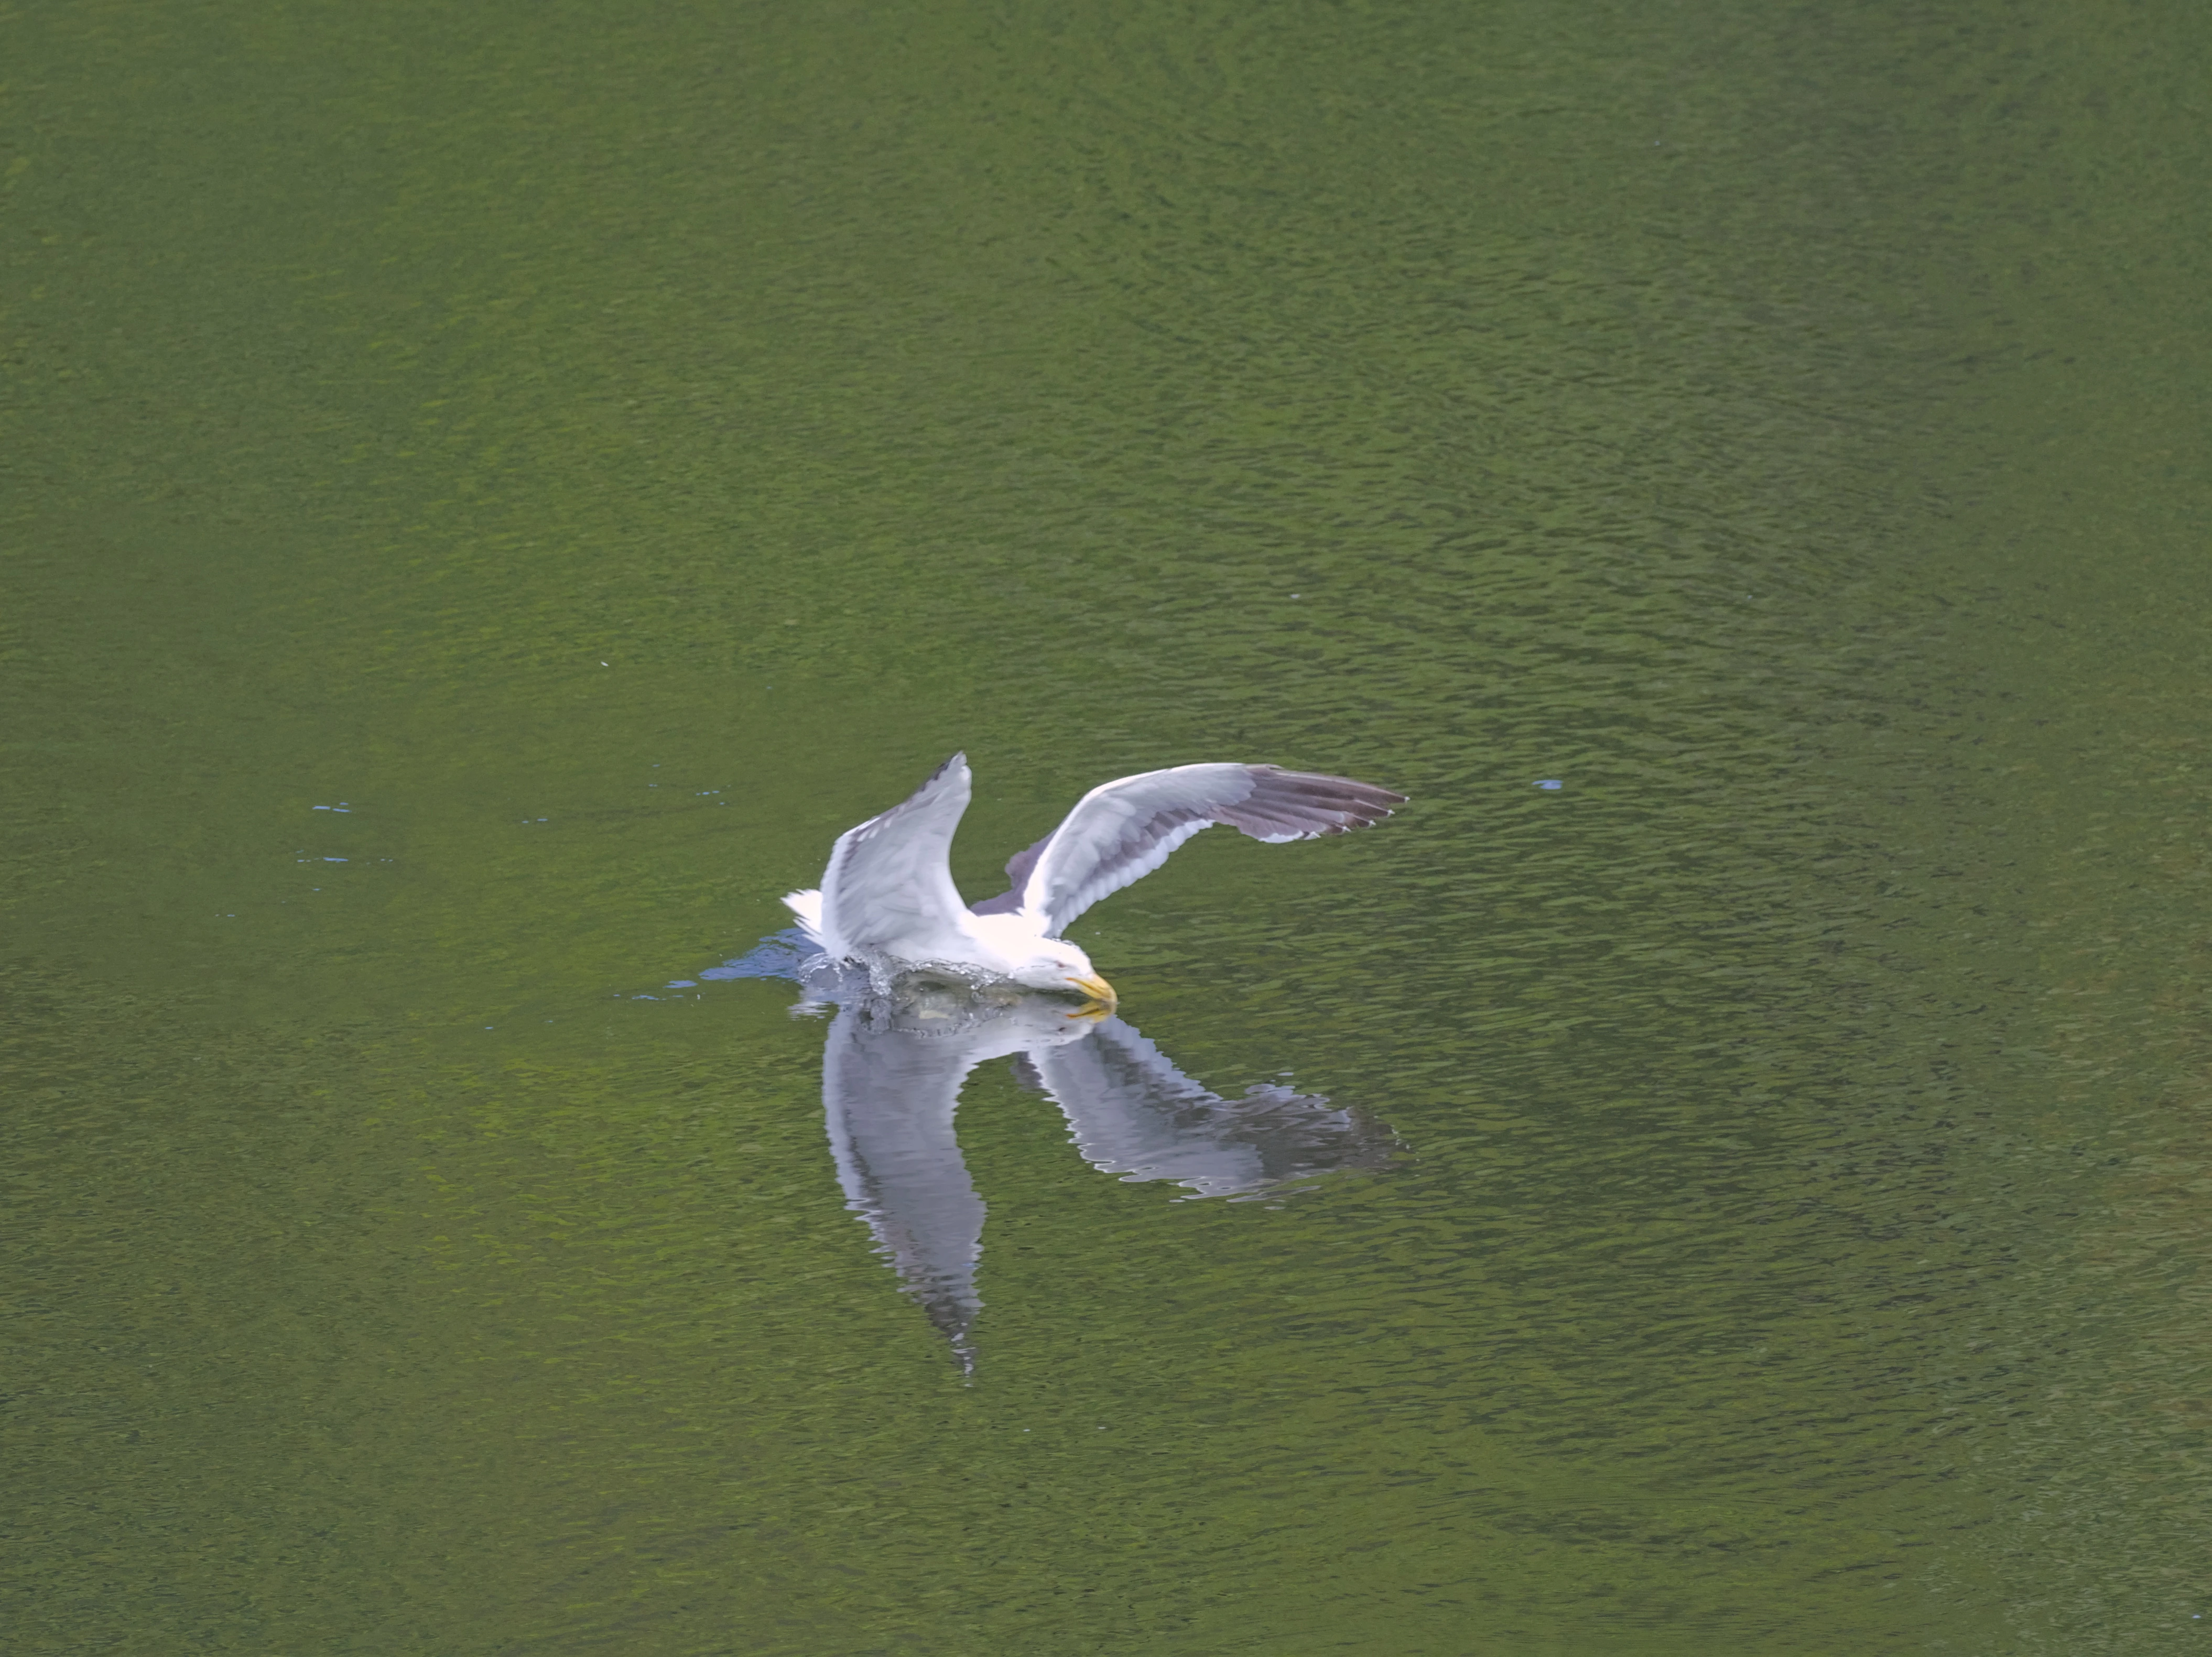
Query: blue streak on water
{"type": "Point", "coordinates": [778, 956]}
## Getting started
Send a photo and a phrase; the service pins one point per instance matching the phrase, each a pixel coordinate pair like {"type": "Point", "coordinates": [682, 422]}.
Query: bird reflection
{"type": "Point", "coordinates": [891, 1076]}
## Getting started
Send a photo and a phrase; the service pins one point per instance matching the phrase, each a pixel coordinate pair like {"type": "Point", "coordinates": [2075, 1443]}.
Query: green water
{"type": "Point", "coordinates": [610, 450]}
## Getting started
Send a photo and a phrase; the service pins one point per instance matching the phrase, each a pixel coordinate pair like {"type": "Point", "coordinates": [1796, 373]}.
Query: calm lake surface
{"type": "Point", "coordinates": [491, 492]}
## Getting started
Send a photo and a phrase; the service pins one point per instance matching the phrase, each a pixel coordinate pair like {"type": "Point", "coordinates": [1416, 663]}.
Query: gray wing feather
{"type": "Point", "coordinates": [1018, 876]}
{"type": "Point", "coordinates": [1120, 831]}
{"type": "Point", "coordinates": [889, 881]}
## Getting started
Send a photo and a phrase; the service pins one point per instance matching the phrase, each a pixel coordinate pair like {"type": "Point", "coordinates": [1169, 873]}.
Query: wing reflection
{"type": "Point", "coordinates": [891, 1075]}
{"type": "Point", "coordinates": [891, 1078]}
{"type": "Point", "coordinates": [1131, 1113]}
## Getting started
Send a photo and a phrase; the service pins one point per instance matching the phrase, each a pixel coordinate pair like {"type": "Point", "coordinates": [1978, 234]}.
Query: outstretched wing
{"type": "Point", "coordinates": [889, 885]}
{"type": "Point", "coordinates": [1121, 831]}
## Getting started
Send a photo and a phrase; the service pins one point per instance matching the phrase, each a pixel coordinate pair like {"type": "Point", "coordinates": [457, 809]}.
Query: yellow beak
{"type": "Point", "coordinates": [1097, 989]}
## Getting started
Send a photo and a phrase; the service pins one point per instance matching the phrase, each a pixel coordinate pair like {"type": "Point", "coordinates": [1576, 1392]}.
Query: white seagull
{"type": "Point", "coordinates": [887, 898]}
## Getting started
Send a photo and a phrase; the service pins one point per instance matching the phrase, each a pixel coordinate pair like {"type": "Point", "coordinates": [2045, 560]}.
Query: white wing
{"type": "Point", "coordinates": [889, 885]}
{"type": "Point", "coordinates": [1121, 831]}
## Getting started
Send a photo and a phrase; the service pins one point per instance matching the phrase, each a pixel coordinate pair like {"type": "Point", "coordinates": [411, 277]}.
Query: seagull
{"type": "Point", "coordinates": [887, 899]}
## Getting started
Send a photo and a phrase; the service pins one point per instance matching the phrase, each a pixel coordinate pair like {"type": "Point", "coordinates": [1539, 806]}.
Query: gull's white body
{"type": "Point", "coordinates": [996, 946]}
{"type": "Point", "coordinates": [887, 898]}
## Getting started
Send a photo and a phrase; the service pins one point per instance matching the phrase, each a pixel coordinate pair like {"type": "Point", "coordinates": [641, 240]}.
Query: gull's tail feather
{"type": "Point", "coordinates": [807, 906]}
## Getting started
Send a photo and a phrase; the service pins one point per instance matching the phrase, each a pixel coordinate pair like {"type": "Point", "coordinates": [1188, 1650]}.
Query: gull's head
{"type": "Point", "coordinates": [1054, 963]}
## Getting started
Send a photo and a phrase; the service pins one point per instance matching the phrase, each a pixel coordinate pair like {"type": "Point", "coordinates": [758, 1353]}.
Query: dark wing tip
{"type": "Point", "coordinates": [1311, 802]}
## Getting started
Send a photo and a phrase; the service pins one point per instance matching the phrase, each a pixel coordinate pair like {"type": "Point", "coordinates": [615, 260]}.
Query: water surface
{"type": "Point", "coordinates": [492, 493]}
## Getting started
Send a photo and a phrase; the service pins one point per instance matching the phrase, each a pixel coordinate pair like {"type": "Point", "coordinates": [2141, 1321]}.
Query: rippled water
{"type": "Point", "coordinates": [492, 492]}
